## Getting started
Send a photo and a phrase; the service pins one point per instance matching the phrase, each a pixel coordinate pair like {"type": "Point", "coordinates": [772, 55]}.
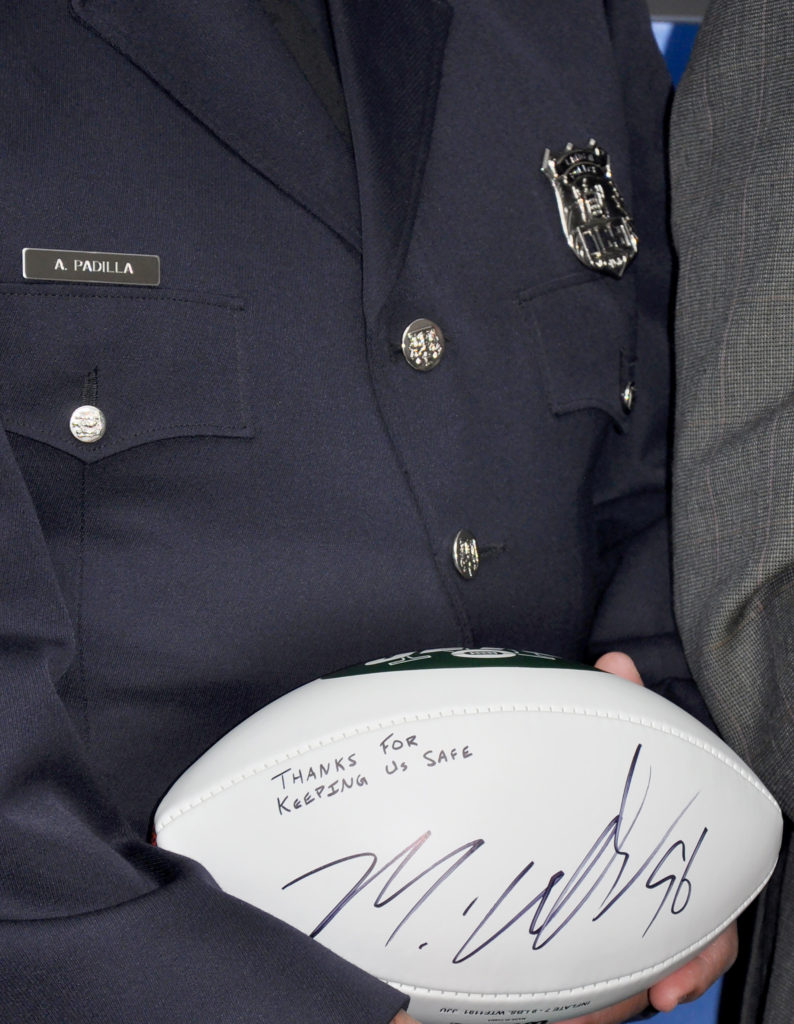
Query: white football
{"type": "Point", "coordinates": [499, 835]}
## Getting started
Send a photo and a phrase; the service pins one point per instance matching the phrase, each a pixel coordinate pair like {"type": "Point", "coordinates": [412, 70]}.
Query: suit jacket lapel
{"type": "Point", "coordinates": [226, 63]}
{"type": "Point", "coordinates": [390, 57]}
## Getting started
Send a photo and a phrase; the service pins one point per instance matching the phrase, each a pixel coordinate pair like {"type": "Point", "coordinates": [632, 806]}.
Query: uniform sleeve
{"type": "Point", "coordinates": [632, 478]}
{"type": "Point", "coordinates": [95, 924]}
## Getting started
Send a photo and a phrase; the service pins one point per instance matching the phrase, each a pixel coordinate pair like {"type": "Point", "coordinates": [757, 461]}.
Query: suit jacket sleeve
{"type": "Point", "coordinates": [733, 495]}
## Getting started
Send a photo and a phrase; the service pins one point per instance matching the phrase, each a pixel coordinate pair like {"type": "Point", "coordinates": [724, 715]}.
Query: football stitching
{"type": "Point", "coordinates": [452, 713]}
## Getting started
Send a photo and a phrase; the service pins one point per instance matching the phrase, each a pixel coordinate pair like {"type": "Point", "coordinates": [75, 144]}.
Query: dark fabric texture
{"type": "Point", "coordinates": [305, 28]}
{"type": "Point", "coordinates": [732, 150]}
{"type": "Point", "coordinates": [277, 491]}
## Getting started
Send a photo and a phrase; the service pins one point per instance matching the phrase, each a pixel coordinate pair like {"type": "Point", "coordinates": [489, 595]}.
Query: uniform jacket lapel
{"type": "Point", "coordinates": [226, 64]}
{"type": "Point", "coordinates": [390, 56]}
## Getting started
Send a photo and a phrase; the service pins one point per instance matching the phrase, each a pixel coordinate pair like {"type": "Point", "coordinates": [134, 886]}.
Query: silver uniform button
{"type": "Point", "coordinates": [423, 344]}
{"type": "Point", "coordinates": [627, 396]}
{"type": "Point", "coordinates": [88, 424]}
{"type": "Point", "coordinates": [465, 554]}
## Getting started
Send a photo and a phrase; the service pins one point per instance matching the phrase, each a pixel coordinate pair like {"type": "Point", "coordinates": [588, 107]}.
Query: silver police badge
{"type": "Point", "coordinates": [594, 218]}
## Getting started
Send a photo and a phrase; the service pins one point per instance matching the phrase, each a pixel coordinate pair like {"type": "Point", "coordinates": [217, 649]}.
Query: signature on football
{"type": "Point", "coordinates": [610, 870]}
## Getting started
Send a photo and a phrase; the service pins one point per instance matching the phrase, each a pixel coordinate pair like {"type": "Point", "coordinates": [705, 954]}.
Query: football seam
{"type": "Point", "coordinates": [680, 957]}
{"type": "Point", "coordinates": [452, 713]}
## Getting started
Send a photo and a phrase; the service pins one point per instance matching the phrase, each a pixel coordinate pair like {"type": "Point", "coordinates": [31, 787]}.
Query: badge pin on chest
{"type": "Point", "coordinates": [595, 221]}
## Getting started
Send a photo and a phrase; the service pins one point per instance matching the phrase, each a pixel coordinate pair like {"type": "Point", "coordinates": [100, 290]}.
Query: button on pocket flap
{"type": "Point", "coordinates": [95, 373]}
{"type": "Point", "coordinates": [584, 331]}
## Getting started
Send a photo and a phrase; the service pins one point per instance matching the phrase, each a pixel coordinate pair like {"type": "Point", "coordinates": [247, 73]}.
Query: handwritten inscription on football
{"type": "Point", "coordinates": [297, 788]}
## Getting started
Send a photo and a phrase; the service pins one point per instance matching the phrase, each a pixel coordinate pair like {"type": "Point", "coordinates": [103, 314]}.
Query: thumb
{"type": "Point", "coordinates": [619, 664]}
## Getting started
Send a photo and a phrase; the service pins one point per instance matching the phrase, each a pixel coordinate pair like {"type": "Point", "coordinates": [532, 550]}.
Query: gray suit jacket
{"type": "Point", "coordinates": [733, 219]}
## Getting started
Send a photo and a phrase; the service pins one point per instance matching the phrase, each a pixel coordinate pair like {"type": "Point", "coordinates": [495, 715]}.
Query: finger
{"type": "Point", "coordinates": [619, 664]}
{"type": "Point", "coordinates": [616, 1014]}
{"type": "Point", "coordinates": [403, 1018]}
{"type": "Point", "coordinates": [694, 978]}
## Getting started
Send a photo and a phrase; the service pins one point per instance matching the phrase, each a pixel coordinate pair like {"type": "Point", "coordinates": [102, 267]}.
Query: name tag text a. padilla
{"type": "Point", "coordinates": [91, 267]}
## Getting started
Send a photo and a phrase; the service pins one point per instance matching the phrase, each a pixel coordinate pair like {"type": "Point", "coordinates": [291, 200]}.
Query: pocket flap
{"type": "Point", "coordinates": [585, 335]}
{"type": "Point", "coordinates": [157, 364]}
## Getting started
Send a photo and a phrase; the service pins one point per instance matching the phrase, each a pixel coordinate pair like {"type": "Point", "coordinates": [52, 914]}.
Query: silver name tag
{"type": "Point", "coordinates": [90, 267]}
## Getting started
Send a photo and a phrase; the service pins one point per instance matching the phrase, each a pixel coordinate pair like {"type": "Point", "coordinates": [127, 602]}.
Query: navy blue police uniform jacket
{"type": "Point", "coordinates": [277, 490]}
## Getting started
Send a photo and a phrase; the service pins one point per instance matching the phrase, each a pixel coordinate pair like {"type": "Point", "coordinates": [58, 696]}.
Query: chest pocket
{"type": "Point", "coordinates": [158, 365]}
{"type": "Point", "coordinates": [585, 333]}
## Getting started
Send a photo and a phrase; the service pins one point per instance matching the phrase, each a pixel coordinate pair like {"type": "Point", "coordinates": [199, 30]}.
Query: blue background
{"type": "Point", "coordinates": [675, 39]}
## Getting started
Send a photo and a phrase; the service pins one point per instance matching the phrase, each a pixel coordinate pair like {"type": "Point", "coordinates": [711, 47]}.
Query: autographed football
{"type": "Point", "coordinates": [501, 835]}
